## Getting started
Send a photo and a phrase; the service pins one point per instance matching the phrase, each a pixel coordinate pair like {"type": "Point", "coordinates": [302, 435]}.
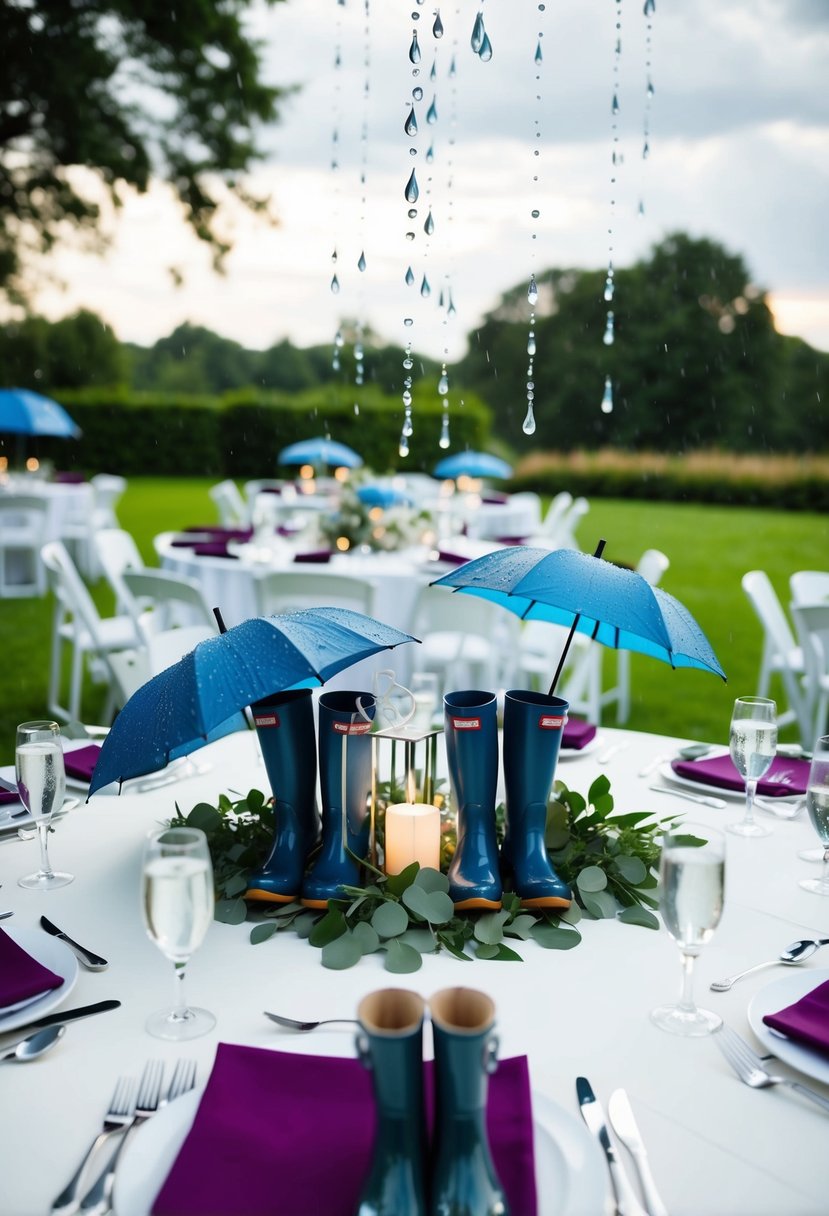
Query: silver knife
{"type": "Point", "coordinates": [58, 1019]}
{"type": "Point", "coordinates": [92, 962]}
{"type": "Point", "coordinates": [627, 1203]}
{"type": "Point", "coordinates": [626, 1128]}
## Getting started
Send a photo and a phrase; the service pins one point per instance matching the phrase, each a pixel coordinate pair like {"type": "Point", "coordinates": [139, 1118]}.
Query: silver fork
{"type": "Point", "coordinates": [749, 1067]}
{"type": "Point", "coordinates": [184, 1079]}
{"type": "Point", "coordinates": [120, 1114]}
{"type": "Point", "coordinates": [97, 1201]}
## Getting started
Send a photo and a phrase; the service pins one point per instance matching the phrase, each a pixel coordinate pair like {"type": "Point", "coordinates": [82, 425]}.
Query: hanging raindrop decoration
{"type": "Point", "coordinates": [616, 160]}
{"type": "Point", "coordinates": [649, 9]}
{"type": "Point", "coordinates": [480, 38]}
{"type": "Point", "coordinates": [445, 301]}
{"type": "Point", "coordinates": [528, 425]}
{"type": "Point", "coordinates": [411, 194]}
{"type": "Point", "coordinates": [359, 353]}
{"type": "Point", "coordinates": [335, 172]}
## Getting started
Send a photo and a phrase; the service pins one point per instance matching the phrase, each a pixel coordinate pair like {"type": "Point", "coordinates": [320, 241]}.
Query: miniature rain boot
{"type": "Point", "coordinates": [464, 1181]}
{"type": "Point", "coordinates": [390, 1044]}
{"type": "Point", "coordinates": [345, 789]}
{"type": "Point", "coordinates": [285, 726]}
{"type": "Point", "coordinates": [533, 726]}
{"type": "Point", "coordinates": [471, 735]}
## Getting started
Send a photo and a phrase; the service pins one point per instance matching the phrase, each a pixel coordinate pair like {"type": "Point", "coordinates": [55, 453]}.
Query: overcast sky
{"type": "Point", "coordinates": [739, 151]}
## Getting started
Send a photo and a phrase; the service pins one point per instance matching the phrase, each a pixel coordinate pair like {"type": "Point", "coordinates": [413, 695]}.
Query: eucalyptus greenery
{"type": "Point", "coordinates": [610, 861]}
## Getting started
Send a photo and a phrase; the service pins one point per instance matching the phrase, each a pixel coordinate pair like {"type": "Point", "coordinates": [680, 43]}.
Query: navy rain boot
{"type": "Point", "coordinates": [471, 734]}
{"type": "Point", "coordinates": [533, 725]}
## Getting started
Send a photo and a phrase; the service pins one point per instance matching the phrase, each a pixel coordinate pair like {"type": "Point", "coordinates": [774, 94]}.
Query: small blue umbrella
{"type": "Point", "coordinates": [382, 496]}
{"type": "Point", "coordinates": [614, 606]}
{"type": "Point", "coordinates": [23, 412]}
{"type": "Point", "coordinates": [320, 451]}
{"type": "Point", "coordinates": [472, 464]}
{"type": "Point", "coordinates": [176, 711]}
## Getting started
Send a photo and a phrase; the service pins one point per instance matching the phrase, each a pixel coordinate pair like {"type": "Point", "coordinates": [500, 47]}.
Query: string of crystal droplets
{"type": "Point", "coordinates": [649, 9]}
{"type": "Point", "coordinates": [411, 194]}
{"type": "Point", "coordinates": [609, 333]}
{"type": "Point", "coordinates": [359, 354]}
{"type": "Point", "coordinates": [445, 300]}
{"type": "Point", "coordinates": [480, 38]}
{"type": "Point", "coordinates": [528, 426]}
{"type": "Point", "coordinates": [335, 171]}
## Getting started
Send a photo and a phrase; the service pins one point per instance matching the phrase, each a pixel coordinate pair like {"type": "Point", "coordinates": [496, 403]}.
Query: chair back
{"type": "Point", "coordinates": [810, 587]}
{"type": "Point", "coordinates": [812, 625]}
{"type": "Point", "coordinates": [23, 520]}
{"type": "Point", "coordinates": [652, 565]}
{"type": "Point", "coordinates": [107, 489]}
{"type": "Point", "coordinates": [289, 591]}
{"type": "Point", "coordinates": [70, 590]}
{"type": "Point", "coordinates": [117, 552]}
{"type": "Point", "coordinates": [464, 637]}
{"type": "Point", "coordinates": [233, 512]}
{"type": "Point", "coordinates": [162, 600]}
{"type": "Point", "coordinates": [555, 512]}
{"type": "Point", "coordinates": [763, 599]}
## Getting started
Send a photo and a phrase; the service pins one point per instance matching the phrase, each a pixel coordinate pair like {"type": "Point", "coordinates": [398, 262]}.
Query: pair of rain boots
{"type": "Point", "coordinates": [285, 725]}
{"type": "Point", "coordinates": [457, 1178]}
{"type": "Point", "coordinates": [533, 726]}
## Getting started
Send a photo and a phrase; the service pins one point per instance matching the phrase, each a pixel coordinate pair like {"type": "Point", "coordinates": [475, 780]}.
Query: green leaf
{"type": "Point", "coordinates": [521, 926]}
{"type": "Point", "coordinates": [396, 884]}
{"type": "Point", "coordinates": [402, 959]}
{"type": "Point", "coordinates": [390, 919]}
{"type": "Point", "coordinates": [204, 816]}
{"type": "Point", "coordinates": [489, 928]}
{"type": "Point", "coordinates": [571, 915]}
{"type": "Point", "coordinates": [638, 916]}
{"type": "Point", "coordinates": [230, 911]}
{"type": "Point", "coordinates": [557, 831]}
{"type": "Point", "coordinates": [434, 906]}
{"type": "Point", "coordinates": [600, 787]}
{"type": "Point", "coordinates": [592, 878]}
{"type": "Point", "coordinates": [632, 869]}
{"type": "Point", "coordinates": [304, 923]}
{"type": "Point", "coordinates": [419, 939]}
{"type": "Point", "coordinates": [431, 880]}
{"type": "Point", "coordinates": [600, 904]}
{"type": "Point", "coordinates": [630, 820]}
{"type": "Point", "coordinates": [328, 929]}
{"type": "Point", "coordinates": [344, 952]}
{"type": "Point", "coordinates": [261, 933]}
{"type": "Point", "coordinates": [551, 937]}
{"type": "Point", "coordinates": [497, 953]}
{"type": "Point", "coordinates": [366, 937]}
{"type": "Point", "coordinates": [604, 805]}
{"type": "Point", "coordinates": [236, 884]}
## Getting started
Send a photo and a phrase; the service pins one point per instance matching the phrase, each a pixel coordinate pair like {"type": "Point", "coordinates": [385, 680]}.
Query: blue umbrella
{"type": "Point", "coordinates": [382, 496]}
{"type": "Point", "coordinates": [614, 606]}
{"type": "Point", "coordinates": [23, 412]}
{"type": "Point", "coordinates": [472, 464]}
{"type": "Point", "coordinates": [320, 451]}
{"type": "Point", "coordinates": [174, 712]}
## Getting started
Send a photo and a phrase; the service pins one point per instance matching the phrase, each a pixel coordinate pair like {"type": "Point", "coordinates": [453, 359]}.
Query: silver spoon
{"type": "Point", "coordinates": [293, 1024]}
{"type": "Point", "coordinates": [795, 953]}
{"type": "Point", "coordinates": [35, 1045]}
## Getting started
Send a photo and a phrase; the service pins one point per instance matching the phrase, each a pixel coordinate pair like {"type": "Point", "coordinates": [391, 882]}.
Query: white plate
{"type": "Point", "coordinates": [50, 953]}
{"type": "Point", "coordinates": [668, 774]}
{"type": "Point", "coordinates": [772, 999]}
{"type": "Point", "coordinates": [570, 1171]}
{"type": "Point", "coordinates": [574, 753]}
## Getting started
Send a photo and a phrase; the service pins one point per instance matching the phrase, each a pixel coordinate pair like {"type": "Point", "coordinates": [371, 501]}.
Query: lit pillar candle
{"type": "Point", "coordinates": [412, 834]}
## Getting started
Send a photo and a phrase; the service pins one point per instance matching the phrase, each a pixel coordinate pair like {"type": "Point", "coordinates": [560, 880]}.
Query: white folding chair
{"type": "Point", "coordinates": [160, 600]}
{"type": "Point", "coordinates": [117, 552]}
{"type": "Point", "coordinates": [78, 625]}
{"type": "Point", "coordinates": [469, 642]}
{"type": "Point", "coordinates": [565, 536]}
{"type": "Point", "coordinates": [554, 514]}
{"type": "Point", "coordinates": [108, 489]}
{"type": "Point", "coordinates": [233, 511]}
{"type": "Point", "coordinates": [22, 534]}
{"type": "Point", "coordinates": [781, 654]}
{"type": "Point", "coordinates": [810, 587]}
{"type": "Point", "coordinates": [812, 625]}
{"type": "Point", "coordinates": [289, 591]}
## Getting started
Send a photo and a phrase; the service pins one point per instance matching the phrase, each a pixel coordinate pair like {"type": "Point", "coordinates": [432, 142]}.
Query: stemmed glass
{"type": "Point", "coordinates": [41, 784]}
{"type": "Point", "coordinates": [177, 903]}
{"type": "Point", "coordinates": [753, 744]}
{"type": "Point", "coordinates": [817, 804]}
{"type": "Point", "coordinates": [692, 881]}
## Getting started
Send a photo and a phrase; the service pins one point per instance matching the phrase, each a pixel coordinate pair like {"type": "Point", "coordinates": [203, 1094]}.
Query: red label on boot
{"type": "Point", "coordinates": [351, 728]}
{"type": "Point", "coordinates": [266, 719]}
{"type": "Point", "coordinates": [466, 723]}
{"type": "Point", "coordinates": [547, 722]}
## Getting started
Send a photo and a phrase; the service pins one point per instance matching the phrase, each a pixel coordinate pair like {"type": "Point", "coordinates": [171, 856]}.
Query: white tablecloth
{"type": "Point", "coordinates": [717, 1148]}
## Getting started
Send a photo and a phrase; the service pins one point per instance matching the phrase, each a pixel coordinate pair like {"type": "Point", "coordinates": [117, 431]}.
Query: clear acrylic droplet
{"type": "Point", "coordinates": [338, 338]}
{"type": "Point", "coordinates": [607, 398]}
{"type": "Point", "coordinates": [412, 213]}
{"type": "Point", "coordinates": [410, 125]}
{"type": "Point", "coordinates": [429, 226]}
{"type": "Point", "coordinates": [646, 148]}
{"type": "Point", "coordinates": [531, 344]}
{"type": "Point", "coordinates": [443, 385]}
{"type": "Point", "coordinates": [407, 397]}
{"type": "Point", "coordinates": [408, 322]}
{"type": "Point", "coordinates": [485, 53]}
{"type": "Point", "coordinates": [403, 448]}
{"type": "Point", "coordinates": [437, 28]}
{"type": "Point", "coordinates": [538, 56]}
{"type": "Point", "coordinates": [414, 49]}
{"type": "Point", "coordinates": [408, 363]}
{"type": "Point", "coordinates": [650, 8]}
{"type": "Point", "coordinates": [532, 292]}
{"type": "Point", "coordinates": [409, 280]}
{"type": "Point", "coordinates": [614, 106]}
{"type": "Point", "coordinates": [356, 407]}
{"type": "Point", "coordinates": [412, 191]}
{"type": "Point", "coordinates": [432, 112]}
{"type": "Point", "coordinates": [443, 442]}
{"type": "Point", "coordinates": [608, 332]}
{"type": "Point", "coordinates": [650, 90]}
{"type": "Point", "coordinates": [425, 289]}
{"type": "Point", "coordinates": [430, 154]}
{"type": "Point", "coordinates": [478, 33]}
{"type": "Point", "coordinates": [335, 285]}
{"type": "Point", "coordinates": [528, 425]}
{"type": "Point", "coordinates": [361, 264]}
{"type": "Point", "coordinates": [608, 289]}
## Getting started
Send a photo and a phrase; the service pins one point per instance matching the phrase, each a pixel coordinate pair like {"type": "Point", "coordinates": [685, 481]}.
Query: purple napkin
{"type": "Point", "coordinates": [21, 976]}
{"type": "Point", "coordinates": [220, 532]}
{"type": "Point", "coordinates": [784, 778]}
{"type": "Point", "coordinates": [214, 548]}
{"type": "Point", "coordinates": [68, 479]}
{"type": "Point", "coordinates": [807, 1020]}
{"type": "Point", "coordinates": [454, 559]}
{"type": "Point", "coordinates": [81, 762]}
{"type": "Point", "coordinates": [577, 733]}
{"type": "Point", "coordinates": [511, 540]}
{"type": "Point", "coordinates": [279, 1134]}
{"type": "Point", "coordinates": [8, 796]}
{"type": "Point", "coordinates": [318, 555]}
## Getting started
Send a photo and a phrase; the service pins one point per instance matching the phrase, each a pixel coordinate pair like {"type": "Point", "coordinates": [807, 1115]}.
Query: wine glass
{"type": "Point", "coordinates": [177, 903]}
{"type": "Point", "coordinates": [692, 879]}
{"type": "Point", "coordinates": [41, 784]}
{"type": "Point", "coordinates": [753, 743]}
{"type": "Point", "coordinates": [817, 804]}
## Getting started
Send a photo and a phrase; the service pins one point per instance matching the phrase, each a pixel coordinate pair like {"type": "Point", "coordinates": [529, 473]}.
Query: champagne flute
{"type": "Point", "coordinates": [692, 880]}
{"type": "Point", "coordinates": [817, 804]}
{"type": "Point", "coordinates": [177, 903]}
{"type": "Point", "coordinates": [753, 744]}
{"type": "Point", "coordinates": [41, 784]}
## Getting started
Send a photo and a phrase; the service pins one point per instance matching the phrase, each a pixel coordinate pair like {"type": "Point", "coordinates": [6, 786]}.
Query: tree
{"type": "Point", "coordinates": [128, 89]}
{"type": "Point", "coordinates": [75, 352]}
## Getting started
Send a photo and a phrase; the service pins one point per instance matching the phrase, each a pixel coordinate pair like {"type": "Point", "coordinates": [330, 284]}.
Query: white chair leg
{"type": "Point", "coordinates": [623, 686]}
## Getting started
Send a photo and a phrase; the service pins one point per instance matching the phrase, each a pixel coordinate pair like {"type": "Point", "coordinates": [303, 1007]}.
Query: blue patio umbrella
{"type": "Point", "coordinates": [320, 451]}
{"type": "Point", "coordinates": [175, 712]}
{"type": "Point", "coordinates": [23, 412]}
{"type": "Point", "coordinates": [614, 606]}
{"type": "Point", "coordinates": [382, 496]}
{"type": "Point", "coordinates": [472, 464]}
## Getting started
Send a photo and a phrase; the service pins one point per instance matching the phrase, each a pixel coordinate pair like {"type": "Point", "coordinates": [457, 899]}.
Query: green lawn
{"type": "Point", "coordinates": [710, 548]}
